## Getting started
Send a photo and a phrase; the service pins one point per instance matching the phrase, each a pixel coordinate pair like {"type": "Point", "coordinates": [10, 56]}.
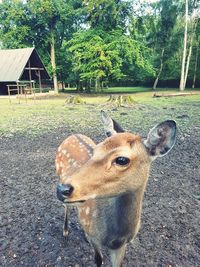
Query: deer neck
{"type": "Point", "coordinates": [119, 217]}
{"type": "Point", "coordinates": [127, 211]}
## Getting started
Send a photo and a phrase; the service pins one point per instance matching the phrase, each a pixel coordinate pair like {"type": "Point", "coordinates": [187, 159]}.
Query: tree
{"type": "Point", "coordinates": [93, 58]}
{"type": "Point", "coordinates": [46, 16]}
{"type": "Point", "coordinates": [96, 42]}
{"type": "Point", "coordinates": [191, 21]}
{"type": "Point", "coordinates": [42, 23]}
{"type": "Point", "coordinates": [108, 14]}
{"type": "Point", "coordinates": [100, 56]}
{"type": "Point", "coordinates": [196, 63]}
{"type": "Point", "coordinates": [193, 29]}
{"type": "Point", "coordinates": [14, 30]}
{"type": "Point", "coordinates": [182, 79]}
{"type": "Point", "coordinates": [165, 27]}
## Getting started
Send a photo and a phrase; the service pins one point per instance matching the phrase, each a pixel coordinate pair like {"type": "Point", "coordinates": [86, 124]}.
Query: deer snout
{"type": "Point", "coordinates": [64, 191]}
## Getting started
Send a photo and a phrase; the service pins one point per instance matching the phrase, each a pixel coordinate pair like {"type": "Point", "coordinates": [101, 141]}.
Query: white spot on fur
{"type": "Point", "coordinates": [57, 166]}
{"type": "Point", "coordinates": [74, 164]}
{"type": "Point", "coordinates": [87, 210]}
{"type": "Point", "coordinates": [64, 151]}
{"type": "Point", "coordinates": [93, 196]}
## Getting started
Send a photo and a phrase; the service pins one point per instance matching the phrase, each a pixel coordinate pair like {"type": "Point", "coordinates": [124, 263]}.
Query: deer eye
{"type": "Point", "coordinates": [122, 161]}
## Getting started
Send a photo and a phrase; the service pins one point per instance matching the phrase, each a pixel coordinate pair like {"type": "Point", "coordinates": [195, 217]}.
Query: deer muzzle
{"type": "Point", "coordinates": [64, 191]}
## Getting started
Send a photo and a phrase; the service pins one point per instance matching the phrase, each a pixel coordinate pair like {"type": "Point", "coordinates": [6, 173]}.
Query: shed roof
{"type": "Point", "coordinates": [13, 62]}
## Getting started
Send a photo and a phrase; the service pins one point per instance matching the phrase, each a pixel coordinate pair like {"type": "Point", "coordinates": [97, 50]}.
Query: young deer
{"type": "Point", "coordinates": [109, 180]}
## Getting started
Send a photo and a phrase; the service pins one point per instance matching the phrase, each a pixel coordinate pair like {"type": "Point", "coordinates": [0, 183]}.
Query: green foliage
{"type": "Point", "coordinates": [14, 30]}
{"type": "Point", "coordinates": [104, 56]}
{"type": "Point", "coordinates": [52, 18]}
{"type": "Point", "coordinates": [102, 42]}
{"type": "Point", "coordinates": [93, 58]}
{"type": "Point", "coordinates": [108, 14]}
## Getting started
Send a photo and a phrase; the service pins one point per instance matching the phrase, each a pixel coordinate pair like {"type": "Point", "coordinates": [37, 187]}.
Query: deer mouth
{"type": "Point", "coordinates": [66, 200]}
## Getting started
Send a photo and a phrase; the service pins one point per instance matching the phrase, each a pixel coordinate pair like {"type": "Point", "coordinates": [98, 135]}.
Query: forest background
{"type": "Point", "coordinates": [93, 44]}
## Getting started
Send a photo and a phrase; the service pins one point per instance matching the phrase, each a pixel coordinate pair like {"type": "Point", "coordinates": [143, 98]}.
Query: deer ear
{"type": "Point", "coordinates": [110, 126]}
{"type": "Point", "coordinates": [161, 139]}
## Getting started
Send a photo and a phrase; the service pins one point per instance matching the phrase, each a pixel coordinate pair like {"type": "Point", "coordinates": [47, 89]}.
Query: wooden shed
{"type": "Point", "coordinates": [21, 68]}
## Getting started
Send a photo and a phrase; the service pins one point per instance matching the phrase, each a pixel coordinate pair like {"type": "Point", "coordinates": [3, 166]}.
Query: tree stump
{"type": "Point", "coordinates": [121, 100]}
{"type": "Point", "coordinates": [74, 99]}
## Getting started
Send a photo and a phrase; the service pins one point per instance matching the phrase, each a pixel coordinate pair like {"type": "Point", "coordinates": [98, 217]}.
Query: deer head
{"type": "Point", "coordinates": [115, 166]}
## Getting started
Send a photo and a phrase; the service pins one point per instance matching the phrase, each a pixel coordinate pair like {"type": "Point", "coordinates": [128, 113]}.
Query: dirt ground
{"type": "Point", "coordinates": [31, 217]}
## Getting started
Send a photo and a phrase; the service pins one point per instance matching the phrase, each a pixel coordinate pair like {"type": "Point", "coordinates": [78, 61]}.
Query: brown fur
{"type": "Point", "coordinates": [107, 174]}
{"type": "Point", "coordinates": [72, 155]}
{"type": "Point", "coordinates": [113, 193]}
{"type": "Point", "coordinates": [109, 179]}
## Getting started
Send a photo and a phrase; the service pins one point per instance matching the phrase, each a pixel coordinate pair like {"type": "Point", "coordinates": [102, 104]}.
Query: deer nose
{"type": "Point", "coordinates": [64, 190]}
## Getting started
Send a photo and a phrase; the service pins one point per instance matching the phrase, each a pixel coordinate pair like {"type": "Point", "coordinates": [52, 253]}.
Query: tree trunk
{"type": "Point", "coordinates": [182, 80]}
{"type": "Point", "coordinates": [188, 63]}
{"type": "Point", "coordinates": [53, 63]}
{"type": "Point", "coordinates": [160, 70]}
{"type": "Point", "coordinates": [97, 85]}
{"type": "Point", "coordinates": [195, 66]}
{"type": "Point", "coordinates": [90, 84]}
{"type": "Point", "coordinates": [190, 53]}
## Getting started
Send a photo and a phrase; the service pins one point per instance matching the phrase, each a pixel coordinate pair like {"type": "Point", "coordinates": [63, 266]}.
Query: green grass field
{"type": "Point", "coordinates": [50, 113]}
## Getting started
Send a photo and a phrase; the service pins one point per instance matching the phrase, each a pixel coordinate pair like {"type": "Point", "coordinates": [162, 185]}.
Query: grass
{"type": "Point", "coordinates": [113, 90]}
{"type": "Point", "coordinates": [132, 90]}
{"type": "Point", "coordinates": [48, 114]}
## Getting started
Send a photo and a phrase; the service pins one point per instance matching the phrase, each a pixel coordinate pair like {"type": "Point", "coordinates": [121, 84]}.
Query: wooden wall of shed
{"type": "Point", "coordinates": [3, 88]}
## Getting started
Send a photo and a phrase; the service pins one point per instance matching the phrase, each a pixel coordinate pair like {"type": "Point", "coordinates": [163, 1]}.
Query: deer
{"type": "Point", "coordinates": [107, 181]}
